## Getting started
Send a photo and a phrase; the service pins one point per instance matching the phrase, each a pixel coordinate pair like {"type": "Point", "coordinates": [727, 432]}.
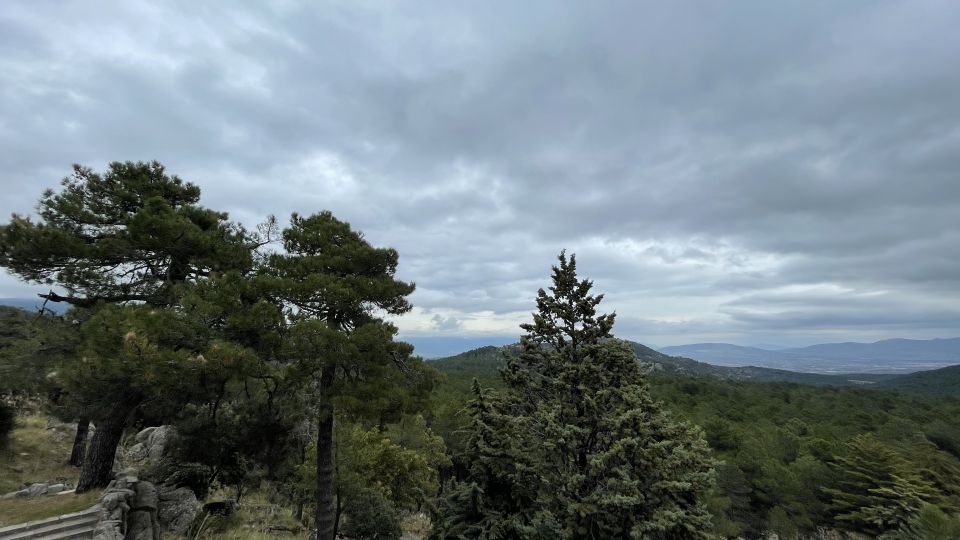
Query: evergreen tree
{"type": "Point", "coordinates": [132, 235]}
{"type": "Point", "coordinates": [576, 447]}
{"type": "Point", "coordinates": [242, 396]}
{"type": "Point", "coordinates": [878, 490]}
{"type": "Point", "coordinates": [931, 523]}
{"type": "Point", "coordinates": [334, 285]}
{"type": "Point", "coordinates": [131, 356]}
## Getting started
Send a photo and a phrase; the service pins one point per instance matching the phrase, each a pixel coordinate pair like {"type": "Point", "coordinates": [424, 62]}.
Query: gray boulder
{"type": "Point", "coordinates": [142, 525]}
{"type": "Point", "coordinates": [152, 444]}
{"type": "Point", "coordinates": [150, 454]}
{"type": "Point", "coordinates": [108, 530]}
{"type": "Point", "coordinates": [178, 508]}
{"type": "Point", "coordinates": [35, 490]}
{"type": "Point", "coordinates": [147, 497]}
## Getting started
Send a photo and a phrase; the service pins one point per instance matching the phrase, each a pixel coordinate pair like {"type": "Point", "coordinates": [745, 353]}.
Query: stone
{"type": "Point", "coordinates": [152, 444]}
{"type": "Point", "coordinates": [178, 508]}
{"type": "Point", "coordinates": [150, 454]}
{"type": "Point", "coordinates": [145, 434]}
{"type": "Point", "coordinates": [35, 490]}
{"type": "Point", "coordinates": [130, 474]}
{"type": "Point", "coordinates": [108, 530]}
{"type": "Point", "coordinates": [22, 493]}
{"type": "Point", "coordinates": [141, 525]}
{"type": "Point", "coordinates": [115, 504]}
{"type": "Point", "coordinates": [128, 509]}
{"type": "Point", "coordinates": [147, 497]}
{"type": "Point", "coordinates": [56, 488]}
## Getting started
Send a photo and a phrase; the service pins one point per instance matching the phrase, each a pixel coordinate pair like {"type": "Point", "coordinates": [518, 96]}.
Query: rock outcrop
{"type": "Point", "coordinates": [151, 454]}
{"type": "Point", "coordinates": [128, 510]}
{"type": "Point", "coordinates": [176, 506]}
{"type": "Point", "coordinates": [139, 506]}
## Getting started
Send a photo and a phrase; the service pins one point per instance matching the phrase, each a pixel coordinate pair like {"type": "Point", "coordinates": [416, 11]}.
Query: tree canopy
{"type": "Point", "coordinates": [575, 447]}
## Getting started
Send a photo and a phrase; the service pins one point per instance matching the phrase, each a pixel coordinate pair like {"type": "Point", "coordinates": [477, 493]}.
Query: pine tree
{"type": "Point", "coordinates": [576, 447]}
{"type": "Point", "coordinates": [878, 490]}
{"type": "Point", "coordinates": [131, 235]}
{"type": "Point", "coordinates": [334, 285]}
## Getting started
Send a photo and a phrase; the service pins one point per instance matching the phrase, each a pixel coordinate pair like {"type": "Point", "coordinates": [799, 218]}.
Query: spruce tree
{"type": "Point", "coordinates": [576, 447]}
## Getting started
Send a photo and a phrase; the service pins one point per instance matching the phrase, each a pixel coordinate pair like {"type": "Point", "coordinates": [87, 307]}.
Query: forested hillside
{"type": "Point", "coordinates": [781, 444]}
{"type": "Point", "coordinates": [943, 381]}
{"type": "Point", "coordinates": [658, 362]}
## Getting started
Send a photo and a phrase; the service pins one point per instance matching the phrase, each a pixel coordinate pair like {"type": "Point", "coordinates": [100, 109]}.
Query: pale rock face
{"type": "Point", "coordinates": [152, 446]}
{"type": "Point", "coordinates": [35, 490]}
{"type": "Point", "coordinates": [178, 508]}
{"type": "Point", "coordinates": [175, 508]}
{"type": "Point", "coordinates": [130, 509]}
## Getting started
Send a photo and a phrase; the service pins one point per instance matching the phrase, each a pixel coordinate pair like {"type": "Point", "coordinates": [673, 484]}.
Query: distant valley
{"type": "Point", "coordinates": [891, 356]}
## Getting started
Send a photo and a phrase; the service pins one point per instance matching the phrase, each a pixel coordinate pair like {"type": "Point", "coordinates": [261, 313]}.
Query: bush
{"type": "Point", "coordinates": [369, 515]}
{"type": "Point", "coordinates": [7, 422]}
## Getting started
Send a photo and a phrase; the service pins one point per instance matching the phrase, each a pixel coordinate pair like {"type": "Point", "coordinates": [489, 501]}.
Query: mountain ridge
{"type": "Point", "coordinates": [487, 359]}
{"type": "Point", "coordinates": [894, 356]}
{"type": "Point", "coordinates": [484, 361]}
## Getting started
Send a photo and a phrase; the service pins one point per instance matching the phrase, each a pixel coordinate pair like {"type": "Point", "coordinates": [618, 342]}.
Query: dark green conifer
{"type": "Point", "coordinates": [131, 235]}
{"type": "Point", "coordinates": [334, 285]}
{"type": "Point", "coordinates": [878, 490]}
{"type": "Point", "coordinates": [576, 447]}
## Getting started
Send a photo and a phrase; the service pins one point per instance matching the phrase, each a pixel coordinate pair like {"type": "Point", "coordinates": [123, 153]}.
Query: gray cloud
{"type": "Point", "coordinates": [703, 159]}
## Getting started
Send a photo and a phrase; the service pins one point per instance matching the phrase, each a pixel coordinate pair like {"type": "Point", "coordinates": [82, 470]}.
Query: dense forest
{"type": "Point", "coordinates": [784, 446]}
{"type": "Point", "coordinates": [269, 352]}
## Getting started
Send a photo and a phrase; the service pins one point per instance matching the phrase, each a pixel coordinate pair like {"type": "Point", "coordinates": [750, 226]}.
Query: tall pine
{"type": "Point", "coordinates": [576, 447]}
{"type": "Point", "coordinates": [335, 286]}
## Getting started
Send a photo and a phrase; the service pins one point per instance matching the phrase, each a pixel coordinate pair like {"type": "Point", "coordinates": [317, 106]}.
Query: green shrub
{"type": "Point", "coordinates": [369, 515]}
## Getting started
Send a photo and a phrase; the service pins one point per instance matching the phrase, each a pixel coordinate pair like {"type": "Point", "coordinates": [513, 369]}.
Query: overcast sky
{"type": "Point", "coordinates": [762, 172]}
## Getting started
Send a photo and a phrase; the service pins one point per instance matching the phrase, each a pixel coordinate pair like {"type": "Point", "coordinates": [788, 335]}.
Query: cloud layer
{"type": "Point", "coordinates": [757, 173]}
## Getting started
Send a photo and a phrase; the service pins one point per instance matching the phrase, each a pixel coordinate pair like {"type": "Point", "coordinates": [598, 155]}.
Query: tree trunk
{"type": "Point", "coordinates": [325, 521]}
{"type": "Point", "coordinates": [97, 469]}
{"type": "Point", "coordinates": [298, 512]}
{"type": "Point", "coordinates": [80, 443]}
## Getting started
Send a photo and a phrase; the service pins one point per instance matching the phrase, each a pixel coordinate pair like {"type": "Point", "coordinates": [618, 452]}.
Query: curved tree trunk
{"type": "Point", "coordinates": [80, 442]}
{"type": "Point", "coordinates": [326, 518]}
{"type": "Point", "coordinates": [97, 469]}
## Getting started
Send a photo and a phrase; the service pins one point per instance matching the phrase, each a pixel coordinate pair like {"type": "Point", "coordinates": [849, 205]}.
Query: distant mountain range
{"type": "Point", "coordinates": [830, 363]}
{"type": "Point", "coordinates": [944, 381]}
{"type": "Point", "coordinates": [887, 356]}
